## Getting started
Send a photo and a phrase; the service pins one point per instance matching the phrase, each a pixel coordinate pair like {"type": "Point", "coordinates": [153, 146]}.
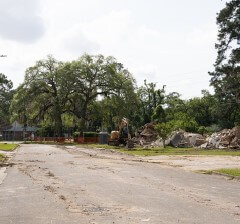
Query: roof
{"type": "Point", "coordinates": [18, 127]}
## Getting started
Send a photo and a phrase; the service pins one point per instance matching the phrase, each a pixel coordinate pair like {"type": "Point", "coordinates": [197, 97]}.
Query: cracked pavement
{"type": "Point", "coordinates": [59, 185]}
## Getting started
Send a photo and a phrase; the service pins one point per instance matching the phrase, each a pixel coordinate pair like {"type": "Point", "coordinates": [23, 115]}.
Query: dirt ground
{"type": "Point", "coordinates": [64, 185]}
{"type": "Point", "coordinates": [198, 162]}
{"type": "Point", "coordinates": [192, 163]}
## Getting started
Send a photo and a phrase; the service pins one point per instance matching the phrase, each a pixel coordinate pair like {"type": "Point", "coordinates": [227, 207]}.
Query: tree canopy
{"type": "Point", "coordinates": [53, 89]}
{"type": "Point", "coordinates": [6, 94]}
{"type": "Point", "coordinates": [226, 77]}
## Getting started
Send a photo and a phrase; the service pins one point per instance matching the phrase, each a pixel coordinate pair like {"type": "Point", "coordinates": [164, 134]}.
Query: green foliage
{"type": "Point", "coordinates": [46, 131]}
{"type": "Point", "coordinates": [226, 77]}
{"type": "Point", "coordinates": [43, 95]}
{"type": "Point", "coordinates": [164, 130]}
{"type": "Point", "coordinates": [149, 99]}
{"type": "Point", "coordinates": [158, 114]}
{"type": "Point", "coordinates": [185, 122]}
{"type": "Point", "coordinates": [76, 134]}
{"type": "Point", "coordinates": [6, 94]}
{"type": "Point", "coordinates": [90, 134]}
{"type": "Point", "coordinates": [68, 93]}
{"type": "Point", "coordinates": [202, 130]}
{"type": "Point", "coordinates": [213, 128]}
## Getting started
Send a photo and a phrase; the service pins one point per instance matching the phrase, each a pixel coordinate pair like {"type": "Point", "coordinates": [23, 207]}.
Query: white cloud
{"type": "Point", "coordinates": [19, 21]}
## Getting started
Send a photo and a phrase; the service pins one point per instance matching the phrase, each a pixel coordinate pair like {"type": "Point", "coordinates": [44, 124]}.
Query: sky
{"type": "Point", "coordinates": [167, 42]}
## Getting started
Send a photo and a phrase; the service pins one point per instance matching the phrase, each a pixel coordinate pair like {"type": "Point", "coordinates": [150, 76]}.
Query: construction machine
{"type": "Point", "coordinates": [123, 136]}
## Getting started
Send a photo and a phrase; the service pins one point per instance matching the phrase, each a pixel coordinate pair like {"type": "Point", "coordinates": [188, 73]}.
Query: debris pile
{"type": "Point", "coordinates": [148, 137]}
{"type": "Point", "coordinates": [182, 139]}
{"type": "Point", "coordinates": [225, 139]}
{"type": "Point", "coordinates": [147, 134]}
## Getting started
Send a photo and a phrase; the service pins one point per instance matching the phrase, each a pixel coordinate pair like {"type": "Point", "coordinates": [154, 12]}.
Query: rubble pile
{"type": "Point", "coordinates": [147, 134]}
{"type": "Point", "coordinates": [182, 139]}
{"type": "Point", "coordinates": [148, 137]}
{"type": "Point", "coordinates": [225, 139]}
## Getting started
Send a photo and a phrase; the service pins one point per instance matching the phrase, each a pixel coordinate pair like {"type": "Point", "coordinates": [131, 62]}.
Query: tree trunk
{"type": "Point", "coordinates": [59, 125]}
{"type": "Point", "coordinates": [58, 120]}
{"type": "Point", "coordinates": [164, 144]}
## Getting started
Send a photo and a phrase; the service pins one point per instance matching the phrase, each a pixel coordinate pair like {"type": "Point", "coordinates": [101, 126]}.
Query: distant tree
{"type": "Point", "coordinates": [226, 77]}
{"type": "Point", "coordinates": [43, 94]}
{"type": "Point", "coordinates": [174, 104]}
{"type": "Point", "coordinates": [65, 94]}
{"type": "Point", "coordinates": [164, 130]}
{"type": "Point", "coordinates": [6, 94]}
{"type": "Point", "coordinates": [158, 114]}
{"type": "Point", "coordinates": [94, 77]}
{"type": "Point", "coordinates": [184, 122]}
{"type": "Point", "coordinates": [150, 98]}
{"type": "Point", "coordinates": [203, 109]}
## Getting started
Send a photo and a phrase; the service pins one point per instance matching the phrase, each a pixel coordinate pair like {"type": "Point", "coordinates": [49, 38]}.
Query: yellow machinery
{"type": "Point", "coordinates": [123, 136]}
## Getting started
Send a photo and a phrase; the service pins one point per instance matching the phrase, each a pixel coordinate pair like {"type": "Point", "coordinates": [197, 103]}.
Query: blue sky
{"type": "Point", "coordinates": [168, 42]}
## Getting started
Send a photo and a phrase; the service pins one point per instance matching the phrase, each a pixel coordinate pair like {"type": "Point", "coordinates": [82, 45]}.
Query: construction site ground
{"type": "Point", "coordinates": [55, 184]}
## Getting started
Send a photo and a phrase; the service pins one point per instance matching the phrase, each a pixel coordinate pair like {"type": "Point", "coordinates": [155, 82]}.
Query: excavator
{"type": "Point", "coordinates": [123, 136]}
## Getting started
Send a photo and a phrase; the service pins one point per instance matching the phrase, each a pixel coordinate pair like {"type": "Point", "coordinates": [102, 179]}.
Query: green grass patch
{"type": "Point", "coordinates": [7, 147]}
{"type": "Point", "coordinates": [232, 172]}
{"type": "Point", "coordinates": [167, 151]}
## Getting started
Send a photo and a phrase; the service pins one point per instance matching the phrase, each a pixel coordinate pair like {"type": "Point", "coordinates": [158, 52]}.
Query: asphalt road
{"type": "Point", "coordinates": [55, 185]}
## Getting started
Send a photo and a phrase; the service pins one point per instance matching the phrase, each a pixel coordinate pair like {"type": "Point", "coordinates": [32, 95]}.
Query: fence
{"type": "Point", "coordinates": [79, 140]}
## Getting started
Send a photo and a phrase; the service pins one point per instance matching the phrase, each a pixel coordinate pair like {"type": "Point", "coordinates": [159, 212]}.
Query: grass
{"type": "Point", "coordinates": [7, 147]}
{"type": "Point", "coordinates": [232, 172]}
{"type": "Point", "coordinates": [167, 151]}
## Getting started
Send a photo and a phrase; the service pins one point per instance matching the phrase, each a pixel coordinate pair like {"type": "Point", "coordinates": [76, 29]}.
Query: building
{"type": "Point", "coordinates": [17, 132]}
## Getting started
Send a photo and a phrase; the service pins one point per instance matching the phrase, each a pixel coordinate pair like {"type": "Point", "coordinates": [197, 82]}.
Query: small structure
{"type": "Point", "coordinates": [17, 132]}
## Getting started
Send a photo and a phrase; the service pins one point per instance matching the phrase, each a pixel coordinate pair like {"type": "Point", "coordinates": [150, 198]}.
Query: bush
{"type": "Point", "coordinates": [76, 134]}
{"type": "Point", "coordinates": [202, 130]}
{"type": "Point", "coordinates": [213, 128]}
{"type": "Point", "coordinates": [90, 134]}
{"type": "Point", "coordinates": [164, 130]}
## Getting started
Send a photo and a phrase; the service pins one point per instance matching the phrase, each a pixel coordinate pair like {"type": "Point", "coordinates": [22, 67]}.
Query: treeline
{"type": "Point", "coordinates": [93, 93]}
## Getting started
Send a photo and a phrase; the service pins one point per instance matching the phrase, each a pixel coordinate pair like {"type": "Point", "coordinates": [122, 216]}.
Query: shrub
{"type": "Point", "coordinates": [90, 134]}
{"type": "Point", "coordinates": [76, 134]}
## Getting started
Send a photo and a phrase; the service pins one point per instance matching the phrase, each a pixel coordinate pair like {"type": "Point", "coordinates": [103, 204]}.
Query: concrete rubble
{"type": "Point", "coordinates": [225, 139]}
{"type": "Point", "coordinates": [182, 139]}
{"type": "Point", "coordinates": [148, 137]}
